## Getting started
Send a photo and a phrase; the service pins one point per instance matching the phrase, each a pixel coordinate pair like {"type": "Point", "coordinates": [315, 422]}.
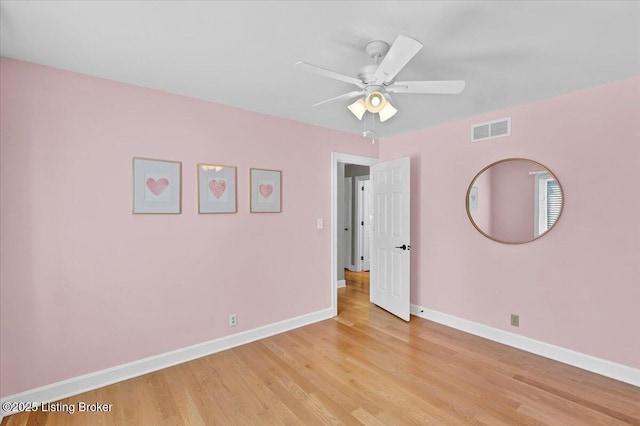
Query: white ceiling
{"type": "Point", "coordinates": [242, 53]}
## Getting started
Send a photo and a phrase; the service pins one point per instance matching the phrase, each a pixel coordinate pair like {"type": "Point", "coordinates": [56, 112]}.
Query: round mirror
{"type": "Point", "coordinates": [514, 201]}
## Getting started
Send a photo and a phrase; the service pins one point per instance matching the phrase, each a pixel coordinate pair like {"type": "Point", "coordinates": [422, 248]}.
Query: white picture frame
{"type": "Point", "coordinates": [266, 190]}
{"type": "Point", "coordinates": [217, 191]}
{"type": "Point", "coordinates": [157, 186]}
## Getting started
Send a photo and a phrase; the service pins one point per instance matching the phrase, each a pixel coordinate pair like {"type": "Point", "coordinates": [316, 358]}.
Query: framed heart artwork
{"type": "Point", "coordinates": [217, 189]}
{"type": "Point", "coordinates": [266, 190]}
{"type": "Point", "coordinates": [157, 186]}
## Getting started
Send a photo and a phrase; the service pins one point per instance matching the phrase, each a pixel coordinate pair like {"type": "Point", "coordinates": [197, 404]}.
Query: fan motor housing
{"type": "Point", "coordinates": [376, 50]}
{"type": "Point", "coordinates": [367, 73]}
{"type": "Point", "coordinates": [373, 88]}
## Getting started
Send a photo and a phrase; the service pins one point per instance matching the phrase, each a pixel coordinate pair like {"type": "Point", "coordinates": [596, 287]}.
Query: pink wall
{"type": "Point", "coordinates": [87, 285]}
{"type": "Point", "coordinates": [587, 298]}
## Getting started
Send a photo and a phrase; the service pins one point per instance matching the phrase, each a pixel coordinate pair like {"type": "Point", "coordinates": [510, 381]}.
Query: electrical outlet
{"type": "Point", "coordinates": [515, 320]}
{"type": "Point", "coordinates": [233, 320]}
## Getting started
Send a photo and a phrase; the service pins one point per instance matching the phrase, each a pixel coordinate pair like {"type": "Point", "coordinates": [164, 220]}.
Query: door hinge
{"type": "Point", "coordinates": [361, 257]}
{"type": "Point", "coordinates": [362, 223]}
{"type": "Point", "coordinates": [362, 188]}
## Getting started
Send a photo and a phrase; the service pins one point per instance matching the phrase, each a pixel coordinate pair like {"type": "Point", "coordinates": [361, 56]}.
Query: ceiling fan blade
{"type": "Point", "coordinates": [349, 95]}
{"type": "Point", "coordinates": [452, 87]}
{"type": "Point", "coordinates": [328, 73]}
{"type": "Point", "coordinates": [400, 53]}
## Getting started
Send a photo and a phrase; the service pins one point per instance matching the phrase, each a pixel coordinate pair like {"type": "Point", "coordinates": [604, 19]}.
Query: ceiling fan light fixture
{"type": "Point", "coordinates": [375, 102]}
{"type": "Point", "coordinates": [358, 108]}
{"type": "Point", "coordinates": [377, 82]}
{"type": "Point", "coordinates": [387, 112]}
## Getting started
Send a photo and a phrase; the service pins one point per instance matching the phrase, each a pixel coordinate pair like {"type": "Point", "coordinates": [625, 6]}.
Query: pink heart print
{"type": "Point", "coordinates": [266, 190]}
{"type": "Point", "coordinates": [157, 186]}
{"type": "Point", "coordinates": [217, 187]}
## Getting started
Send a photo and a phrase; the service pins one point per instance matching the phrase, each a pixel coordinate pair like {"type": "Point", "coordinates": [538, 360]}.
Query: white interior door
{"type": "Point", "coordinates": [366, 225]}
{"type": "Point", "coordinates": [348, 220]}
{"type": "Point", "coordinates": [390, 243]}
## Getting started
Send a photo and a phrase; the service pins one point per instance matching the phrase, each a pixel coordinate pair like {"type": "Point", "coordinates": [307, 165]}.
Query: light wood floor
{"type": "Point", "coordinates": [363, 367]}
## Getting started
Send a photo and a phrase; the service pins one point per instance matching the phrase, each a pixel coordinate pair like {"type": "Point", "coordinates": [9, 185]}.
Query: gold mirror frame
{"type": "Point", "coordinates": [475, 178]}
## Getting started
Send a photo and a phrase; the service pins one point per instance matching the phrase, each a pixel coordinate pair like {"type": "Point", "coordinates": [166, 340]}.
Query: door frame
{"type": "Point", "coordinates": [339, 157]}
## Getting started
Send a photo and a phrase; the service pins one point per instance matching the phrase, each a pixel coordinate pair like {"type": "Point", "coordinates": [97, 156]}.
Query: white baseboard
{"type": "Point", "coordinates": [341, 283]}
{"type": "Point", "coordinates": [98, 379]}
{"type": "Point", "coordinates": [606, 368]}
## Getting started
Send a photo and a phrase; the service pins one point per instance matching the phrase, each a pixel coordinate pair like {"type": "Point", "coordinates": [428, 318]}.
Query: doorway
{"type": "Point", "coordinates": [390, 281]}
{"type": "Point", "coordinates": [357, 217]}
{"type": "Point", "coordinates": [338, 163]}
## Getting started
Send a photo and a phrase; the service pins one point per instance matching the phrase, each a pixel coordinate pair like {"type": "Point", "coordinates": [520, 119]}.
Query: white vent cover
{"type": "Point", "coordinates": [491, 130]}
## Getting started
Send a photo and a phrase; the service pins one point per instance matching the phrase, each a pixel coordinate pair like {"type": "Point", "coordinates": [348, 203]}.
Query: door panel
{"type": "Point", "coordinates": [390, 282]}
{"type": "Point", "coordinates": [348, 218]}
{"type": "Point", "coordinates": [366, 228]}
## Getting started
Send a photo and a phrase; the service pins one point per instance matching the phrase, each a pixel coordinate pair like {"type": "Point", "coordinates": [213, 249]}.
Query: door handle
{"type": "Point", "coordinates": [404, 247]}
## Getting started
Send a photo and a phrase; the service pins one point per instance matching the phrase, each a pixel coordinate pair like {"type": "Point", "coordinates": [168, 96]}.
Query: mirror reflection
{"type": "Point", "coordinates": [514, 201]}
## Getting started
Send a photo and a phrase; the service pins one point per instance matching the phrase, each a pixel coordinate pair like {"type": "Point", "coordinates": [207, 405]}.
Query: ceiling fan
{"type": "Point", "coordinates": [377, 81]}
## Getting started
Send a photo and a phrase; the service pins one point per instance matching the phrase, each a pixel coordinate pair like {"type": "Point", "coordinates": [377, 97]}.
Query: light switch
{"type": "Point", "coordinates": [319, 223]}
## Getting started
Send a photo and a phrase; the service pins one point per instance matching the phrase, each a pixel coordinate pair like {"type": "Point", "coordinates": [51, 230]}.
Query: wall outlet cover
{"type": "Point", "coordinates": [515, 320]}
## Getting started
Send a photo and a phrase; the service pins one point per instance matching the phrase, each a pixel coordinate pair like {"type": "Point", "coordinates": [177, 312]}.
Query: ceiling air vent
{"type": "Point", "coordinates": [491, 130]}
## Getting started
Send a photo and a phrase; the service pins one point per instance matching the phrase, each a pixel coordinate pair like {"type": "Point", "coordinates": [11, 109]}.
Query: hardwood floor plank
{"type": "Point", "coordinates": [363, 367]}
{"type": "Point", "coordinates": [273, 410]}
{"type": "Point", "coordinates": [568, 396]}
{"type": "Point", "coordinates": [366, 417]}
